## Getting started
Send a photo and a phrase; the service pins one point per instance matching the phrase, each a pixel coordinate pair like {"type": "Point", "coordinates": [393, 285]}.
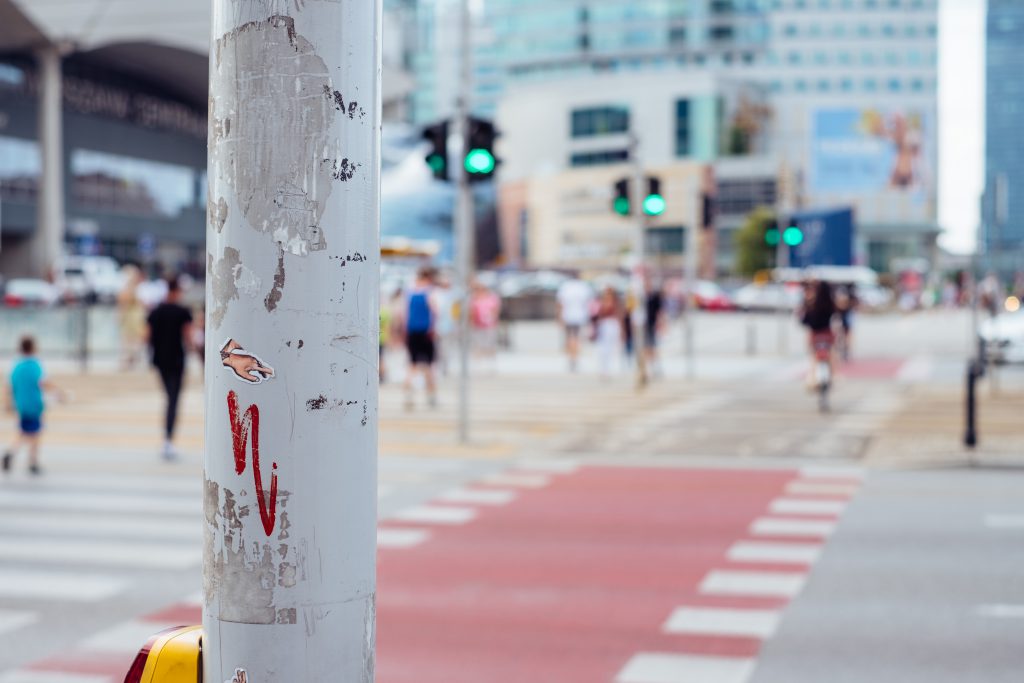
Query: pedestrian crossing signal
{"type": "Point", "coordinates": [620, 200]}
{"type": "Point", "coordinates": [793, 236]}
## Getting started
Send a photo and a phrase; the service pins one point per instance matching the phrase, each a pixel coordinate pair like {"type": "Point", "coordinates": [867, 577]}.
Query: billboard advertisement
{"type": "Point", "coordinates": [871, 151]}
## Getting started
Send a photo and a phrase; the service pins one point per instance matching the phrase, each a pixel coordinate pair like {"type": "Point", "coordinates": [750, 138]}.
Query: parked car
{"type": "Point", "coordinates": [30, 292]}
{"type": "Point", "coordinates": [1003, 338]}
{"type": "Point", "coordinates": [771, 296]}
{"type": "Point", "coordinates": [709, 296]}
{"type": "Point", "coordinates": [89, 278]}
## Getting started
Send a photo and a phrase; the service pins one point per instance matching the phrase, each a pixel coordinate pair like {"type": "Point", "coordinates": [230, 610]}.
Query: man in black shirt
{"type": "Point", "coordinates": [169, 331]}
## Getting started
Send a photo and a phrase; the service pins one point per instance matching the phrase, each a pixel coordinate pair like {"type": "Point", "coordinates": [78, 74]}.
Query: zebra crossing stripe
{"type": "Point", "coordinates": [12, 620]}
{"type": "Point", "coordinates": [800, 506]}
{"type": "Point", "coordinates": [102, 553]}
{"type": "Point", "coordinates": [100, 502]}
{"type": "Point", "coordinates": [51, 677]}
{"type": "Point", "coordinates": [674, 668]}
{"type": "Point", "coordinates": [753, 584]}
{"type": "Point", "coordinates": [478, 497]}
{"type": "Point", "coordinates": [57, 586]}
{"type": "Point", "coordinates": [118, 526]}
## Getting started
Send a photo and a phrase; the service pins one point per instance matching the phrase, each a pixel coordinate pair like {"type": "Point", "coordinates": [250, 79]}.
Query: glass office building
{"type": "Point", "coordinates": [1003, 205]}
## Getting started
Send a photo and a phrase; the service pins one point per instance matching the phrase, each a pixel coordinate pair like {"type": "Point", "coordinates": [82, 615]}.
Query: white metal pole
{"type": "Point", "coordinates": [640, 250]}
{"type": "Point", "coordinates": [49, 237]}
{"type": "Point", "coordinates": [464, 219]}
{"type": "Point", "coordinates": [292, 328]}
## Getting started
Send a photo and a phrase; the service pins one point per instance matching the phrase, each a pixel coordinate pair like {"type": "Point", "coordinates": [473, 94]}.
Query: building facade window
{"type": "Point", "coordinates": [595, 121]}
{"type": "Point", "coordinates": [115, 183]}
{"type": "Point", "coordinates": [20, 166]}
{"type": "Point", "coordinates": [601, 158]}
{"type": "Point", "coordinates": [683, 148]}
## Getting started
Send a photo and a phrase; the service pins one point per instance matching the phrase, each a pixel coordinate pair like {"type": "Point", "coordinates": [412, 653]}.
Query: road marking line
{"type": "Point", "coordinates": [104, 553]}
{"type": "Point", "coordinates": [780, 526]}
{"type": "Point", "coordinates": [671, 668]}
{"type": "Point", "coordinates": [828, 472]}
{"type": "Point", "coordinates": [713, 621]}
{"type": "Point", "coordinates": [478, 496]}
{"type": "Point", "coordinates": [1001, 611]}
{"type": "Point", "coordinates": [51, 677]}
{"type": "Point", "coordinates": [1004, 521]}
{"type": "Point", "coordinates": [799, 506]}
{"type": "Point", "coordinates": [554, 466]}
{"type": "Point", "coordinates": [100, 502]}
{"type": "Point", "coordinates": [436, 514]}
{"type": "Point", "coordinates": [12, 620]}
{"type": "Point", "coordinates": [401, 538]}
{"type": "Point", "coordinates": [751, 583]}
{"type": "Point", "coordinates": [526, 481]}
{"type": "Point", "coordinates": [821, 488]}
{"type": "Point", "coordinates": [782, 553]}
{"type": "Point", "coordinates": [126, 637]}
{"type": "Point", "coordinates": [44, 585]}
{"type": "Point", "coordinates": [117, 526]}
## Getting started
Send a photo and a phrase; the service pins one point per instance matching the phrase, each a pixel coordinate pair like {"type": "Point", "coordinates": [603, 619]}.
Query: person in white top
{"type": "Point", "coordinates": [574, 310]}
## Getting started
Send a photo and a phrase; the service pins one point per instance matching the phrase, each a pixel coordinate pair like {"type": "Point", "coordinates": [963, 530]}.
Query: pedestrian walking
{"type": "Point", "coordinates": [28, 382]}
{"type": "Point", "coordinates": [131, 313]}
{"type": "Point", "coordinates": [170, 334]}
{"type": "Point", "coordinates": [484, 316]}
{"type": "Point", "coordinates": [608, 329]}
{"type": "Point", "coordinates": [420, 336]}
{"type": "Point", "coordinates": [574, 304]}
{"type": "Point", "coordinates": [654, 323]}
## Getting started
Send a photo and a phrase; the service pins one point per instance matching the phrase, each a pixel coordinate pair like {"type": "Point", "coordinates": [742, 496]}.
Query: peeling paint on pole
{"type": "Point", "coordinates": [291, 392]}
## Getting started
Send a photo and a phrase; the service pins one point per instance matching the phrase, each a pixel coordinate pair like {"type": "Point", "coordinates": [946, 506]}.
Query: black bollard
{"type": "Point", "coordinates": [971, 432]}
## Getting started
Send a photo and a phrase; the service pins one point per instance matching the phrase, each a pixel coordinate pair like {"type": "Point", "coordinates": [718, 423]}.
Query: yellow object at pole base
{"type": "Point", "coordinates": [171, 656]}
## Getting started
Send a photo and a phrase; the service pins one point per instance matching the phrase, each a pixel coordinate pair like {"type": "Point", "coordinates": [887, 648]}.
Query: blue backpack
{"type": "Point", "coordinates": [420, 315]}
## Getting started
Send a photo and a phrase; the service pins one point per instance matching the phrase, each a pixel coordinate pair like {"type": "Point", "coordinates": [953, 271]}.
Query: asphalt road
{"type": "Point", "coordinates": [924, 581]}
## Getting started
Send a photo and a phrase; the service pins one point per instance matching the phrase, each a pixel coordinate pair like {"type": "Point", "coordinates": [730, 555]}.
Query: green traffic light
{"type": "Point", "coordinates": [479, 161]}
{"type": "Point", "coordinates": [621, 206]}
{"type": "Point", "coordinates": [436, 162]}
{"type": "Point", "coordinates": [793, 236]}
{"type": "Point", "coordinates": [771, 237]}
{"type": "Point", "coordinates": [654, 205]}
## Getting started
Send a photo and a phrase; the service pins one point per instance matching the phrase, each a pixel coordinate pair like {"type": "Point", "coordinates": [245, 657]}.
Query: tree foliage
{"type": "Point", "coordinates": [752, 254]}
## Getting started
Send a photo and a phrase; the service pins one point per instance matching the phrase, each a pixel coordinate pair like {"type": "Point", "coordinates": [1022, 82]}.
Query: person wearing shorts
{"type": "Point", "coordinates": [420, 321]}
{"type": "Point", "coordinates": [574, 303]}
{"type": "Point", "coordinates": [27, 386]}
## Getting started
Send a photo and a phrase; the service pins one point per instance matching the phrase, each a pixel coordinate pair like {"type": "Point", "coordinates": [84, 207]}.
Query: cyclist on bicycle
{"type": "Point", "coordinates": [819, 309]}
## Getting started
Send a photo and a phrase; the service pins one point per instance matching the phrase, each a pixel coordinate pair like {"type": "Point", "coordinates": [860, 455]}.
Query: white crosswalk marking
{"type": "Point", "coordinates": [780, 553]}
{"type": "Point", "coordinates": [478, 497]}
{"type": "Point", "coordinates": [104, 553]}
{"type": "Point", "coordinates": [720, 621]}
{"type": "Point", "coordinates": [753, 584]}
{"type": "Point", "coordinates": [673, 668]}
{"type": "Point", "coordinates": [799, 506]}
{"type": "Point", "coordinates": [101, 502]}
{"type": "Point", "coordinates": [436, 514]}
{"type": "Point", "coordinates": [401, 538]}
{"type": "Point", "coordinates": [51, 677]}
{"type": "Point", "coordinates": [57, 586]}
{"type": "Point", "coordinates": [120, 526]}
{"type": "Point", "coordinates": [781, 526]}
{"type": "Point", "coordinates": [821, 488]}
{"type": "Point", "coordinates": [126, 637]}
{"type": "Point", "coordinates": [11, 620]}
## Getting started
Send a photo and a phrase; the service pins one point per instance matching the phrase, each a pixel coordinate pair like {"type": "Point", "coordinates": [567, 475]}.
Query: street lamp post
{"type": "Point", "coordinates": [464, 221]}
{"type": "Point", "coordinates": [292, 329]}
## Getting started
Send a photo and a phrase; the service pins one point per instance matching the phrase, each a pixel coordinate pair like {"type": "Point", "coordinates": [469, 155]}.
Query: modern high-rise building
{"type": "Point", "coordinates": [844, 93]}
{"type": "Point", "coordinates": [1003, 205]}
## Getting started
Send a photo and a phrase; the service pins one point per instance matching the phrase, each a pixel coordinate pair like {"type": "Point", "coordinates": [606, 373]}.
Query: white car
{"type": "Point", "coordinates": [1003, 338]}
{"type": "Point", "coordinates": [30, 292]}
{"type": "Point", "coordinates": [768, 297]}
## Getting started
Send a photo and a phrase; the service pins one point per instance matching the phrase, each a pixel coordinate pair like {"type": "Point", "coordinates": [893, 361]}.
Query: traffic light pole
{"type": "Point", "coordinates": [289, 571]}
{"type": "Point", "coordinates": [464, 223]}
{"type": "Point", "coordinates": [690, 275]}
{"type": "Point", "coordinates": [636, 317]}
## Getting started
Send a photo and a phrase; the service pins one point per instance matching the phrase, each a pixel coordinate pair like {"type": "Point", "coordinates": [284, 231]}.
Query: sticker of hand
{"type": "Point", "coordinates": [239, 677]}
{"type": "Point", "coordinates": [245, 365]}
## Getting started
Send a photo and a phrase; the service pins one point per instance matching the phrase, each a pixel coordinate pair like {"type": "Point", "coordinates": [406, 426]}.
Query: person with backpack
{"type": "Point", "coordinates": [420, 329]}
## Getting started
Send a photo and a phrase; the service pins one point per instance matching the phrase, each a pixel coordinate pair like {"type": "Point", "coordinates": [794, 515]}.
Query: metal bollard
{"type": "Point", "coordinates": [971, 432]}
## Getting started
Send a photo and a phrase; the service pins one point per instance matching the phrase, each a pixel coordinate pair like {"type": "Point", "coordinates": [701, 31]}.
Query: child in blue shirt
{"type": "Point", "coordinates": [27, 386]}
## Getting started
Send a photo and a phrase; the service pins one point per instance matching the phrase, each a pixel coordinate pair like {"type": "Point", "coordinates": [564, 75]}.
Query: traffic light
{"type": "Point", "coordinates": [771, 234]}
{"type": "Point", "coordinates": [480, 161]}
{"type": "Point", "coordinates": [437, 157]}
{"type": "Point", "coordinates": [793, 235]}
{"type": "Point", "coordinates": [620, 200]}
{"type": "Point", "coordinates": [654, 202]}
{"type": "Point", "coordinates": [707, 211]}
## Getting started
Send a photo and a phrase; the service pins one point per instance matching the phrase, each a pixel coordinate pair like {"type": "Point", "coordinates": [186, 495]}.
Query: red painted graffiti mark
{"type": "Point", "coordinates": [241, 429]}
